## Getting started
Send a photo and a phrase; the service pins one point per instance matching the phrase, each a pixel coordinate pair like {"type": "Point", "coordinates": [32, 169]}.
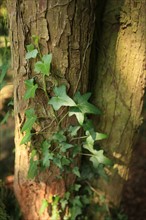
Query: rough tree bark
{"type": "Point", "coordinates": [65, 28]}
{"type": "Point", "coordinates": [119, 87]}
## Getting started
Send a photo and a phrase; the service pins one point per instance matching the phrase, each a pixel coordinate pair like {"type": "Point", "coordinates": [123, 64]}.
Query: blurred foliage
{"type": "Point", "coordinates": [3, 19]}
{"type": "Point", "coordinates": [4, 40]}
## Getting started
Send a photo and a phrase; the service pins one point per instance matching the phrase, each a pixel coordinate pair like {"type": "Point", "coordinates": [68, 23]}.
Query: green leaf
{"type": "Point", "coordinates": [96, 136]}
{"type": "Point", "coordinates": [35, 39]}
{"type": "Point", "coordinates": [77, 187]}
{"type": "Point", "coordinates": [100, 136]}
{"type": "Point", "coordinates": [88, 125]}
{"type": "Point", "coordinates": [57, 161]}
{"type": "Point", "coordinates": [33, 169]}
{"type": "Point", "coordinates": [30, 119]}
{"type": "Point", "coordinates": [89, 144]}
{"type": "Point", "coordinates": [92, 136]}
{"type": "Point", "coordinates": [26, 138]}
{"type": "Point", "coordinates": [65, 147]}
{"type": "Point", "coordinates": [99, 157]}
{"type": "Point", "coordinates": [61, 98]}
{"type": "Point", "coordinates": [73, 130]}
{"type": "Point", "coordinates": [4, 68]}
{"type": "Point", "coordinates": [46, 154]}
{"type": "Point", "coordinates": [30, 47]}
{"type": "Point", "coordinates": [44, 65]}
{"type": "Point", "coordinates": [77, 208]}
{"type": "Point", "coordinates": [65, 161]}
{"type": "Point", "coordinates": [5, 119]}
{"type": "Point", "coordinates": [76, 150]}
{"type": "Point", "coordinates": [76, 171]}
{"type": "Point", "coordinates": [59, 137]}
{"type": "Point", "coordinates": [31, 52]}
{"type": "Point", "coordinates": [84, 105]}
{"type": "Point", "coordinates": [30, 113]}
{"type": "Point", "coordinates": [47, 159]}
{"type": "Point", "coordinates": [63, 203]}
{"type": "Point", "coordinates": [30, 89]}
{"type": "Point", "coordinates": [29, 123]}
{"type": "Point", "coordinates": [43, 206]}
{"type": "Point", "coordinates": [102, 173]}
{"type": "Point", "coordinates": [45, 145]}
{"type": "Point", "coordinates": [79, 115]}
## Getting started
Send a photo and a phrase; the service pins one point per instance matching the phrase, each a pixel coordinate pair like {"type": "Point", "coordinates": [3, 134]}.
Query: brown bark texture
{"type": "Point", "coordinates": [65, 28]}
{"type": "Point", "coordinates": [119, 87]}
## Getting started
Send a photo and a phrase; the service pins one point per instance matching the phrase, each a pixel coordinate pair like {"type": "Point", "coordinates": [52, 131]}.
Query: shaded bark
{"type": "Point", "coordinates": [65, 29]}
{"type": "Point", "coordinates": [119, 86]}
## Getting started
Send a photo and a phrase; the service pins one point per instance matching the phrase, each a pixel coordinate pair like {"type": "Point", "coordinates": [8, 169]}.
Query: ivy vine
{"type": "Point", "coordinates": [65, 144]}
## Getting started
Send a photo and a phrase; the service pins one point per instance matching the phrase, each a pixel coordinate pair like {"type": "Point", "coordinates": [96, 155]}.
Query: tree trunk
{"type": "Point", "coordinates": [65, 29]}
{"type": "Point", "coordinates": [119, 86]}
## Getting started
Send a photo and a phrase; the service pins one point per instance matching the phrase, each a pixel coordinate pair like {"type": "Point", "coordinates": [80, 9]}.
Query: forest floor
{"type": "Point", "coordinates": [134, 195]}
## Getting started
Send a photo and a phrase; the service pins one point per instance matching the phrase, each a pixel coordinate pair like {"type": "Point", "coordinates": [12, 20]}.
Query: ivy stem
{"type": "Point", "coordinates": [86, 154]}
{"type": "Point", "coordinates": [63, 118]}
{"type": "Point", "coordinates": [76, 138]}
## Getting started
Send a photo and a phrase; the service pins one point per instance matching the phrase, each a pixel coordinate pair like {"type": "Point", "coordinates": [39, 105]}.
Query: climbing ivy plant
{"type": "Point", "coordinates": [62, 147]}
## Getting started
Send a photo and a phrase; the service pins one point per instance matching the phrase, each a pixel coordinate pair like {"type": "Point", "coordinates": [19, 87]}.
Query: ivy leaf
{"type": "Point", "coordinates": [44, 65]}
{"type": "Point", "coordinates": [26, 138]}
{"type": "Point", "coordinates": [63, 203]}
{"type": "Point", "coordinates": [5, 119]}
{"type": "Point", "coordinates": [30, 113]}
{"type": "Point", "coordinates": [79, 115]}
{"type": "Point", "coordinates": [73, 130]}
{"type": "Point", "coordinates": [46, 154]}
{"type": "Point", "coordinates": [59, 137]}
{"type": "Point", "coordinates": [61, 98]}
{"type": "Point", "coordinates": [102, 173]}
{"type": "Point", "coordinates": [88, 125]}
{"type": "Point", "coordinates": [43, 206]}
{"type": "Point", "coordinates": [4, 68]}
{"type": "Point", "coordinates": [76, 150]}
{"type": "Point", "coordinates": [57, 161]}
{"type": "Point", "coordinates": [84, 105]}
{"type": "Point", "coordinates": [76, 171]}
{"type": "Point", "coordinates": [35, 39]}
{"type": "Point", "coordinates": [29, 123]}
{"type": "Point", "coordinates": [77, 207]}
{"type": "Point", "coordinates": [65, 147]}
{"type": "Point", "coordinates": [99, 157]}
{"type": "Point", "coordinates": [77, 187]}
{"type": "Point", "coordinates": [91, 138]}
{"type": "Point", "coordinates": [30, 119]}
{"type": "Point", "coordinates": [33, 167]}
{"type": "Point", "coordinates": [46, 159]}
{"type": "Point", "coordinates": [30, 89]}
{"type": "Point", "coordinates": [30, 47]}
{"type": "Point", "coordinates": [32, 52]}
{"type": "Point", "coordinates": [96, 136]}
{"type": "Point", "coordinates": [100, 136]}
{"type": "Point", "coordinates": [65, 161]}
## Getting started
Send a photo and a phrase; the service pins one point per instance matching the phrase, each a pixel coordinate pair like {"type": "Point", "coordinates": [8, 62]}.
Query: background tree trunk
{"type": "Point", "coordinates": [65, 29]}
{"type": "Point", "coordinates": [119, 87]}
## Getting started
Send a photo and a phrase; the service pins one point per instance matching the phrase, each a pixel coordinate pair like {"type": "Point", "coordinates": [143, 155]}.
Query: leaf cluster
{"type": "Point", "coordinates": [61, 148]}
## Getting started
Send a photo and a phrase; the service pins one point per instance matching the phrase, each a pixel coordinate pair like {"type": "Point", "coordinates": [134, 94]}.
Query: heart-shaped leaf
{"type": "Point", "coordinates": [31, 52]}
{"type": "Point", "coordinates": [61, 98]}
{"type": "Point", "coordinates": [44, 65]}
{"type": "Point", "coordinates": [30, 89]}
